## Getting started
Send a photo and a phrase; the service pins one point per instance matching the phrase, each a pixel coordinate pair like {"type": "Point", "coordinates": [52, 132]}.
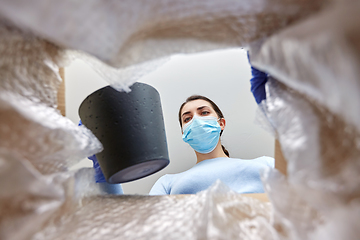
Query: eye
{"type": "Point", "coordinates": [203, 113]}
{"type": "Point", "coordinates": [187, 119]}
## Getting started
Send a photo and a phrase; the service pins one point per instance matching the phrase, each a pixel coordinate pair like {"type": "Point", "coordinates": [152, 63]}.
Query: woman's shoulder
{"type": "Point", "coordinates": [166, 177]}
{"type": "Point", "coordinates": [269, 161]}
{"type": "Point", "coordinates": [162, 186]}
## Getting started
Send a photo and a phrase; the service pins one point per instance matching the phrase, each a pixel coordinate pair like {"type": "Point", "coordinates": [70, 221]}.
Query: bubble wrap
{"type": "Point", "coordinates": [136, 37]}
{"type": "Point", "coordinates": [29, 199]}
{"type": "Point", "coordinates": [314, 108]}
{"type": "Point", "coordinates": [29, 123]}
{"type": "Point", "coordinates": [197, 216]}
{"type": "Point", "coordinates": [321, 139]}
{"type": "Point", "coordinates": [124, 33]}
{"type": "Point", "coordinates": [319, 57]}
{"type": "Point", "coordinates": [323, 168]}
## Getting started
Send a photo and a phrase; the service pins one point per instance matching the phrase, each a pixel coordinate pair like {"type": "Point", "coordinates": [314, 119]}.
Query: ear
{"type": "Point", "coordinates": [222, 123]}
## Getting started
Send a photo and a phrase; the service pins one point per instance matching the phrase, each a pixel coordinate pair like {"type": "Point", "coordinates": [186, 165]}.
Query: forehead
{"type": "Point", "coordinates": [193, 105]}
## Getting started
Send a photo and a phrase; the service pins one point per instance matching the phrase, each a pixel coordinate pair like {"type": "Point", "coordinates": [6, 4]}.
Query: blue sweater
{"type": "Point", "coordinates": [240, 175]}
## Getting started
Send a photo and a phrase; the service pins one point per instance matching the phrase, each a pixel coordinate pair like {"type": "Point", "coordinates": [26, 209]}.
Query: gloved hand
{"type": "Point", "coordinates": [99, 176]}
{"type": "Point", "coordinates": [258, 82]}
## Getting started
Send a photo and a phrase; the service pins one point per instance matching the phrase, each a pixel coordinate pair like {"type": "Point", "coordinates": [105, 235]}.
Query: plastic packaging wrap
{"type": "Point", "coordinates": [30, 126]}
{"type": "Point", "coordinates": [319, 57]}
{"type": "Point", "coordinates": [322, 150]}
{"type": "Point", "coordinates": [28, 199]}
{"type": "Point", "coordinates": [316, 122]}
{"type": "Point", "coordinates": [321, 136]}
{"type": "Point", "coordinates": [323, 168]}
{"type": "Point", "coordinates": [120, 79]}
{"type": "Point", "coordinates": [124, 33]}
{"type": "Point", "coordinates": [136, 37]}
{"type": "Point", "coordinates": [217, 213]}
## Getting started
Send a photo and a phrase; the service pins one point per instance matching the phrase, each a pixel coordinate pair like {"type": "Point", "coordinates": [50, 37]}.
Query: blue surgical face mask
{"type": "Point", "coordinates": [202, 133]}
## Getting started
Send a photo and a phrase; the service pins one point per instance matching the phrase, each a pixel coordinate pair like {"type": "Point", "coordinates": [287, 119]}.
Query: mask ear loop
{"type": "Point", "coordinates": [220, 126]}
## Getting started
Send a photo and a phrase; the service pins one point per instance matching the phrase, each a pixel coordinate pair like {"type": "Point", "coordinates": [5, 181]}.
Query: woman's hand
{"type": "Point", "coordinates": [258, 82]}
{"type": "Point", "coordinates": [99, 176]}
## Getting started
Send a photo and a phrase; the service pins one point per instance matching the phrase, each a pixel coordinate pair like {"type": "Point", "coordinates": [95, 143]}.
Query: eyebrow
{"type": "Point", "coordinates": [199, 108]}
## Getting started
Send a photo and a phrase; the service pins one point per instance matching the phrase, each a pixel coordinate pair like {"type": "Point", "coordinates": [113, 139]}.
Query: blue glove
{"type": "Point", "coordinates": [258, 82]}
{"type": "Point", "coordinates": [99, 176]}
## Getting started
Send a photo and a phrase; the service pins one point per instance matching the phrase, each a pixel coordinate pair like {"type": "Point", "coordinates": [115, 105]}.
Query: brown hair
{"type": "Point", "coordinates": [213, 105]}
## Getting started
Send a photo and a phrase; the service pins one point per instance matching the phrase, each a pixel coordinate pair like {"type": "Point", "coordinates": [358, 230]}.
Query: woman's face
{"type": "Point", "coordinates": [200, 108]}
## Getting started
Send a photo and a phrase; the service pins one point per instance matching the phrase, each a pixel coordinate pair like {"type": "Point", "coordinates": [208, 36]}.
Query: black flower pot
{"type": "Point", "coordinates": [131, 128]}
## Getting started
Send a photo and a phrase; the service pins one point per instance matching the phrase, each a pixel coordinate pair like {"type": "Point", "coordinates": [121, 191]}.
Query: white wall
{"type": "Point", "coordinates": [223, 76]}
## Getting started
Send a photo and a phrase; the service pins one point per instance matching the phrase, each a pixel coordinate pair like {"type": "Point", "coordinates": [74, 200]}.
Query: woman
{"type": "Point", "coordinates": [202, 124]}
